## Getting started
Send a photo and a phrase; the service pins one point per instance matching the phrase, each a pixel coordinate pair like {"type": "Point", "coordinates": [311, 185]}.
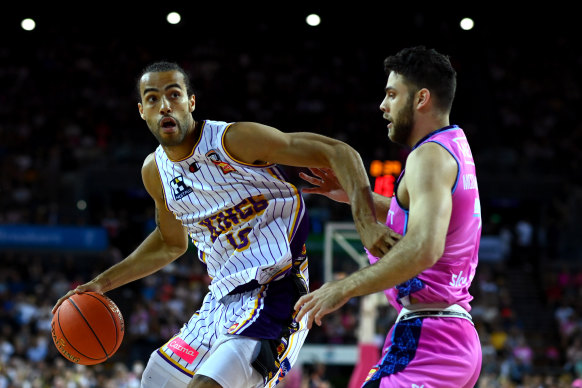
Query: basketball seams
{"type": "Point", "coordinates": [111, 314]}
{"type": "Point", "coordinates": [67, 340]}
{"type": "Point", "coordinates": [90, 328]}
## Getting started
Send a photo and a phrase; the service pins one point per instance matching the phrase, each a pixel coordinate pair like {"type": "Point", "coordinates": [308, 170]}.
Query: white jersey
{"type": "Point", "coordinates": [242, 218]}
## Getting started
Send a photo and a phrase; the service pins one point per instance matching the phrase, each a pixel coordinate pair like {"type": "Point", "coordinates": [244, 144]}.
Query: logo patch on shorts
{"type": "Point", "coordinates": [182, 349]}
{"type": "Point", "coordinates": [371, 373]}
{"type": "Point", "coordinates": [285, 368]}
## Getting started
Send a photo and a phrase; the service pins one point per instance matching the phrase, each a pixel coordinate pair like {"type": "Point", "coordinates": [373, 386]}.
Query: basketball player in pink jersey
{"type": "Point", "coordinates": [435, 207]}
{"type": "Point", "coordinates": [218, 184]}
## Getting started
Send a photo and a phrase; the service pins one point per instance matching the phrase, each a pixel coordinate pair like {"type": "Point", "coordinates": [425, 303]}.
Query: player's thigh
{"type": "Point", "coordinates": [157, 374]}
{"type": "Point", "coordinates": [446, 353]}
{"type": "Point", "coordinates": [230, 363]}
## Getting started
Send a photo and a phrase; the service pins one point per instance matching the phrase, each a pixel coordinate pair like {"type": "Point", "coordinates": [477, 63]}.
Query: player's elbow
{"type": "Point", "coordinates": [179, 247]}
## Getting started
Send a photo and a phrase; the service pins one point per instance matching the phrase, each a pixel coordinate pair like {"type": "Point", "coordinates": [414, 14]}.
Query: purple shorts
{"type": "Point", "coordinates": [429, 352]}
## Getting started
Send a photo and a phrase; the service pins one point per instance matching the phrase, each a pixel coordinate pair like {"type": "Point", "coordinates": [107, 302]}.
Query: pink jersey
{"type": "Point", "coordinates": [450, 278]}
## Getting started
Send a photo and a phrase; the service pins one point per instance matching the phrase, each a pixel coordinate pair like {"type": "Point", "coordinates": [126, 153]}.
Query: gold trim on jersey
{"type": "Point", "coordinates": [235, 159]}
{"type": "Point", "coordinates": [297, 194]}
{"type": "Point", "coordinates": [193, 148]}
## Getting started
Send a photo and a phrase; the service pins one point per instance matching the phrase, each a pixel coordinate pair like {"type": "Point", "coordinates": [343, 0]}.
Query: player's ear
{"type": "Point", "coordinates": [140, 108]}
{"type": "Point", "coordinates": [422, 98]}
{"type": "Point", "coordinates": [192, 103]}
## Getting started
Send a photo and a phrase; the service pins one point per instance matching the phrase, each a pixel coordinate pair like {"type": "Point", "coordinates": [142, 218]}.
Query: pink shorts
{"type": "Point", "coordinates": [429, 352]}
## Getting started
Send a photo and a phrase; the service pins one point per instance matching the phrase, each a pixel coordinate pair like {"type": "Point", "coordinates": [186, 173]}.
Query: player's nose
{"type": "Point", "coordinates": [165, 106]}
{"type": "Point", "coordinates": [384, 105]}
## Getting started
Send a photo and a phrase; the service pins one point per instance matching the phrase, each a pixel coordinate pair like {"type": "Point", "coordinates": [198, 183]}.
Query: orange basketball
{"type": "Point", "coordinates": [87, 328]}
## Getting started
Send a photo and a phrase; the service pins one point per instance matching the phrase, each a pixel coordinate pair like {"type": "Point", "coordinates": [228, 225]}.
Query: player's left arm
{"type": "Point", "coordinates": [254, 143]}
{"type": "Point", "coordinates": [430, 175]}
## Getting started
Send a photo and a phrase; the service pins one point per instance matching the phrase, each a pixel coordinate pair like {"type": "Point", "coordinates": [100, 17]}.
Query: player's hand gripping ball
{"type": "Point", "coordinates": [87, 328]}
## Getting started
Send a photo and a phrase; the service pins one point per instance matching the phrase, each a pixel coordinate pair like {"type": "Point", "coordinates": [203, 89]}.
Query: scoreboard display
{"type": "Point", "coordinates": [384, 174]}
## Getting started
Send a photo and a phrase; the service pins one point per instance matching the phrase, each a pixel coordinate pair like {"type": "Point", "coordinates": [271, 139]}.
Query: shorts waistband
{"type": "Point", "coordinates": [452, 311]}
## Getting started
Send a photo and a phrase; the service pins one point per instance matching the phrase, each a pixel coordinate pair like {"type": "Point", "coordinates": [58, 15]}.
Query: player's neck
{"type": "Point", "coordinates": [424, 127]}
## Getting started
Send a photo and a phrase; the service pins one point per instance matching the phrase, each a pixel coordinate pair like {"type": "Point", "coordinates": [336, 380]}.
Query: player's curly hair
{"type": "Point", "coordinates": [426, 68]}
{"type": "Point", "coordinates": [165, 66]}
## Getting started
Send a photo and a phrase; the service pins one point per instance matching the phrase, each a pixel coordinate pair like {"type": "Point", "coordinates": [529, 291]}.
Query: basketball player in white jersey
{"type": "Point", "coordinates": [218, 184]}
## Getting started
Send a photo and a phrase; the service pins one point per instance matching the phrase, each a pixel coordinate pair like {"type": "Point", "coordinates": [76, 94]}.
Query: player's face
{"type": "Point", "coordinates": [166, 106]}
{"type": "Point", "coordinates": [398, 109]}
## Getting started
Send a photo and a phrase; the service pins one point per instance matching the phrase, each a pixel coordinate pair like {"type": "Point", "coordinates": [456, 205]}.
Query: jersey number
{"type": "Point", "coordinates": [243, 239]}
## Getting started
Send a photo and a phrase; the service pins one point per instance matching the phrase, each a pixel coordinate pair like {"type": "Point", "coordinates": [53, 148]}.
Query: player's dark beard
{"type": "Point", "coordinates": [402, 126]}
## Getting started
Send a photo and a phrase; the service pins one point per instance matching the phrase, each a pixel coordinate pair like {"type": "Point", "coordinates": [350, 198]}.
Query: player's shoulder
{"type": "Point", "coordinates": [149, 169]}
{"type": "Point", "coordinates": [149, 162]}
{"type": "Point", "coordinates": [431, 156]}
{"type": "Point", "coordinates": [150, 174]}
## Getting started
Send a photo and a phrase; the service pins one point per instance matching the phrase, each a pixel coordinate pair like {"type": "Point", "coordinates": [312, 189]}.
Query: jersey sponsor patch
{"type": "Point", "coordinates": [179, 188]}
{"type": "Point", "coordinates": [215, 159]}
{"type": "Point", "coordinates": [182, 349]}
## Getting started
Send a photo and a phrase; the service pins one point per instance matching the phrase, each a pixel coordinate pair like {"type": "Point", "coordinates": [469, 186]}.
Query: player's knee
{"type": "Point", "coordinates": [200, 381]}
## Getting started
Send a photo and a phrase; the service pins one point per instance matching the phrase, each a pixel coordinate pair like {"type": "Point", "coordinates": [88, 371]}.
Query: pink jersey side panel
{"type": "Point", "coordinates": [450, 278]}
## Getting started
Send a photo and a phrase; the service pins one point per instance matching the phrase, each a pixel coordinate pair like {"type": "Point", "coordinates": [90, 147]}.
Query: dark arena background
{"type": "Point", "coordinates": [72, 144]}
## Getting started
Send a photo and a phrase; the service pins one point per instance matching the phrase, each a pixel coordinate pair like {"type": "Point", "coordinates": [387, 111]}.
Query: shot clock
{"type": "Point", "coordinates": [385, 174]}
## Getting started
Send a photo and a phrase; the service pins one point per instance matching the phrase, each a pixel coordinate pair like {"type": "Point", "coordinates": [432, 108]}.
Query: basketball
{"type": "Point", "coordinates": [87, 328]}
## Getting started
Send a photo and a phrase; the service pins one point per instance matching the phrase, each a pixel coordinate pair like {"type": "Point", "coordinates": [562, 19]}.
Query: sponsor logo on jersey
{"type": "Point", "coordinates": [193, 167]}
{"type": "Point", "coordinates": [215, 158]}
{"type": "Point", "coordinates": [232, 328]}
{"type": "Point", "coordinates": [183, 350]}
{"type": "Point", "coordinates": [179, 188]}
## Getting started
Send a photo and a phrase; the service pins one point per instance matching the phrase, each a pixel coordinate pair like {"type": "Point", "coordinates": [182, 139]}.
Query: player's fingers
{"type": "Point", "coordinates": [310, 316]}
{"type": "Point", "coordinates": [310, 179]}
{"type": "Point", "coordinates": [317, 172]}
{"type": "Point", "coordinates": [61, 300]}
{"type": "Point", "coordinates": [301, 306]}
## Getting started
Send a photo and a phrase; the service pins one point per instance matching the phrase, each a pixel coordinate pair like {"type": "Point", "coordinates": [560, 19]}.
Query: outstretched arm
{"type": "Point", "coordinates": [165, 244]}
{"type": "Point", "coordinates": [256, 143]}
{"type": "Point", "coordinates": [326, 183]}
{"type": "Point", "coordinates": [430, 174]}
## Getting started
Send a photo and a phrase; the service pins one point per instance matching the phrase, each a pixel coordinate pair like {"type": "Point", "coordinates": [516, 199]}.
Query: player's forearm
{"type": "Point", "coordinates": [404, 261]}
{"type": "Point", "coordinates": [352, 176]}
{"type": "Point", "coordinates": [150, 256]}
{"type": "Point", "coordinates": [382, 205]}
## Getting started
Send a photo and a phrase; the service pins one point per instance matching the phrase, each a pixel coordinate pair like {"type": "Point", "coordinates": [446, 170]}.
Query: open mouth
{"type": "Point", "coordinates": [168, 124]}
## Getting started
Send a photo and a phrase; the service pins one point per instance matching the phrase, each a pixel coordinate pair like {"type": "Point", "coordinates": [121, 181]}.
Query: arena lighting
{"type": "Point", "coordinates": [28, 24]}
{"type": "Point", "coordinates": [467, 24]}
{"type": "Point", "coordinates": [173, 18]}
{"type": "Point", "coordinates": [313, 20]}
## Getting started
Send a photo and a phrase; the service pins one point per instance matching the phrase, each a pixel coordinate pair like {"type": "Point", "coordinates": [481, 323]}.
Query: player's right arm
{"type": "Point", "coordinates": [165, 244]}
{"type": "Point", "coordinates": [326, 183]}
